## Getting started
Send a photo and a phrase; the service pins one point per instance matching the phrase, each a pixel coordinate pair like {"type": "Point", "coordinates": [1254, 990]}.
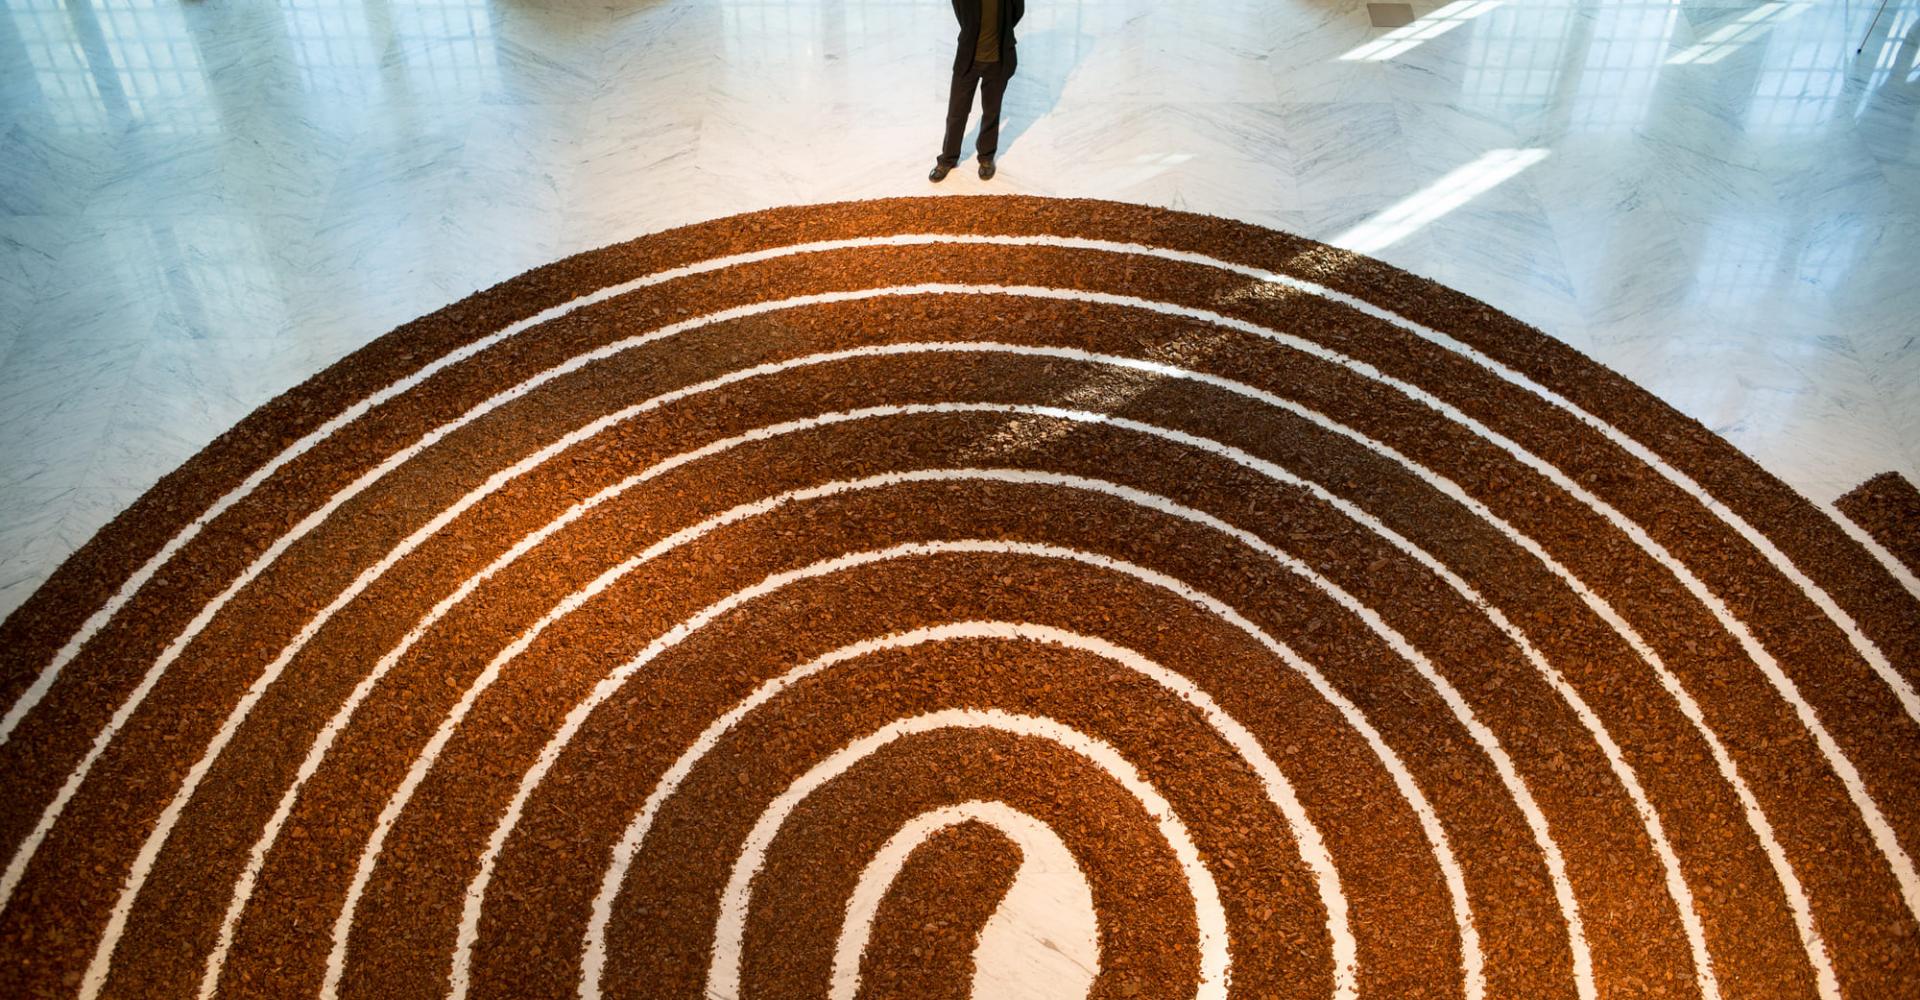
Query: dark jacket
{"type": "Point", "coordinates": [968, 12]}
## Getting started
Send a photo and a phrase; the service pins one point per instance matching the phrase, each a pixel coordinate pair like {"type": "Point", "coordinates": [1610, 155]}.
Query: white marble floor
{"type": "Point", "coordinates": [203, 203]}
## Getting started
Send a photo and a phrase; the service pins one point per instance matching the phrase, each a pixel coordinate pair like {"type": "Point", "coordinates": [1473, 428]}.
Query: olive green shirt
{"type": "Point", "coordinates": [987, 48]}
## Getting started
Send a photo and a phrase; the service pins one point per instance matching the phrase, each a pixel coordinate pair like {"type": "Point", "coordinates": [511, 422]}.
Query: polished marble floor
{"type": "Point", "coordinates": [202, 203]}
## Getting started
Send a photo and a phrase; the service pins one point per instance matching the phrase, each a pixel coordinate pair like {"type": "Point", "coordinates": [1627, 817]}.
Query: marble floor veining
{"type": "Point", "coordinates": [201, 204]}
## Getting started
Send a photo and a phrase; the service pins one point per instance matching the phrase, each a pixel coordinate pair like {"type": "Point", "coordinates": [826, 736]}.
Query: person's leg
{"type": "Point", "coordinates": [993, 86]}
{"type": "Point", "coordinates": [959, 105]}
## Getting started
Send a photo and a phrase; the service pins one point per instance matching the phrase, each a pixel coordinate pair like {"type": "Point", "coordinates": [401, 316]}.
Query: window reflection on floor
{"type": "Point", "coordinates": [1621, 67]}
{"type": "Point", "coordinates": [68, 90]}
{"type": "Point", "coordinates": [1891, 51]}
{"type": "Point", "coordinates": [447, 47]}
{"type": "Point", "coordinates": [1744, 30]}
{"type": "Point", "coordinates": [1515, 57]}
{"type": "Point", "coordinates": [334, 46]}
{"type": "Point", "coordinates": [1405, 39]}
{"type": "Point", "coordinates": [1803, 75]}
{"type": "Point", "coordinates": [99, 65]}
{"type": "Point", "coordinates": [157, 66]}
{"type": "Point", "coordinates": [1457, 188]}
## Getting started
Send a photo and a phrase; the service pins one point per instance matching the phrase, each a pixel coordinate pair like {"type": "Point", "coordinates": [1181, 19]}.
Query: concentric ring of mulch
{"type": "Point", "coordinates": [609, 632]}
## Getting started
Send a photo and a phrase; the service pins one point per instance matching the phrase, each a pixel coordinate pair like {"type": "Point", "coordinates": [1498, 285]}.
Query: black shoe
{"type": "Point", "coordinates": [986, 170]}
{"type": "Point", "coordinates": [938, 173]}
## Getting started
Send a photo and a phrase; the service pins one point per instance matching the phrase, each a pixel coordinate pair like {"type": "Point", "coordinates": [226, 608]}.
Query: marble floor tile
{"type": "Point", "coordinates": [42, 525]}
{"type": "Point", "coordinates": [1780, 380]}
{"type": "Point", "coordinates": [106, 281]}
{"type": "Point", "coordinates": [47, 168]}
{"type": "Point", "coordinates": [182, 393]}
{"type": "Point", "coordinates": [30, 539]}
{"type": "Point", "coordinates": [30, 250]}
{"type": "Point", "coordinates": [57, 396]}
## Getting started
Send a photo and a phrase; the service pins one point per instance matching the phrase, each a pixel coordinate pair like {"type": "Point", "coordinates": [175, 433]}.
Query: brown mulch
{"type": "Point", "coordinates": [536, 910]}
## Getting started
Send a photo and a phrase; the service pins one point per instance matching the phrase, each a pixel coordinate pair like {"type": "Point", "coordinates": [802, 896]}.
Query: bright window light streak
{"type": "Point", "coordinates": [1744, 29]}
{"type": "Point", "coordinates": [1886, 61]}
{"type": "Point", "coordinates": [1887, 58]}
{"type": "Point", "coordinates": [1442, 196]}
{"type": "Point", "coordinates": [1406, 37]}
{"type": "Point", "coordinates": [1897, 32]}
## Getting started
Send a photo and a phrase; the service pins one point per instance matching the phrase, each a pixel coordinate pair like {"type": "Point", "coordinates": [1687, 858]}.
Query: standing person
{"type": "Point", "coordinates": [985, 59]}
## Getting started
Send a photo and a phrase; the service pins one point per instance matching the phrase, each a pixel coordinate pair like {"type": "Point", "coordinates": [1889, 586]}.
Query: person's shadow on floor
{"type": "Point", "coordinates": [1048, 58]}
